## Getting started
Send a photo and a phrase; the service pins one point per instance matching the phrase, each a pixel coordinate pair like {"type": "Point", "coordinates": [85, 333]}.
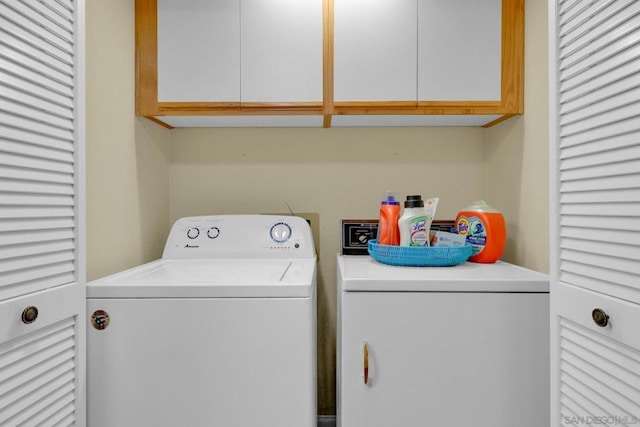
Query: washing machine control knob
{"type": "Point", "coordinates": [280, 232]}
{"type": "Point", "coordinates": [213, 232]}
{"type": "Point", "coordinates": [193, 232]}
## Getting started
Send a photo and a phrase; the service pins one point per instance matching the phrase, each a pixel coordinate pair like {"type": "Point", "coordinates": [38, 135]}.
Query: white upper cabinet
{"type": "Point", "coordinates": [422, 50]}
{"type": "Point", "coordinates": [459, 50]}
{"type": "Point", "coordinates": [375, 50]}
{"type": "Point", "coordinates": [281, 50]}
{"type": "Point", "coordinates": [199, 51]}
{"type": "Point", "coordinates": [329, 62]}
{"type": "Point", "coordinates": [239, 51]}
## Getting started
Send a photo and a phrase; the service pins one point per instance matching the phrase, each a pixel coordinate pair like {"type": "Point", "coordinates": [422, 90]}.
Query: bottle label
{"type": "Point", "coordinates": [418, 234]}
{"type": "Point", "coordinates": [475, 232]}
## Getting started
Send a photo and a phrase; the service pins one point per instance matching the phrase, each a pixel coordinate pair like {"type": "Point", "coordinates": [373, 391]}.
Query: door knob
{"type": "Point", "coordinates": [100, 319]}
{"type": "Point", "coordinates": [29, 314]}
{"type": "Point", "coordinates": [600, 317]}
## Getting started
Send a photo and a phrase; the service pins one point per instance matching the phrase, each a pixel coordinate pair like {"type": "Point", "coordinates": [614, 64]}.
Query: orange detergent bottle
{"type": "Point", "coordinates": [388, 232]}
{"type": "Point", "coordinates": [484, 229]}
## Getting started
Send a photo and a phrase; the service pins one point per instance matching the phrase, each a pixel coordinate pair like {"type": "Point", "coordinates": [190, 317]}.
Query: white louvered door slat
{"type": "Point", "coordinates": [31, 88]}
{"type": "Point", "coordinates": [621, 223]}
{"type": "Point", "coordinates": [7, 172]}
{"type": "Point", "coordinates": [31, 164]}
{"type": "Point", "coordinates": [612, 249]}
{"type": "Point", "coordinates": [31, 124]}
{"type": "Point", "coordinates": [611, 156]}
{"type": "Point", "coordinates": [61, 161]}
{"type": "Point", "coordinates": [595, 207]}
{"type": "Point", "coordinates": [42, 213]}
{"type": "Point", "coordinates": [40, 115]}
{"type": "Point", "coordinates": [40, 248]}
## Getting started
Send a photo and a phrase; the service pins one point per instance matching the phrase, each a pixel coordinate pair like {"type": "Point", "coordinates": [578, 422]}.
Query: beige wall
{"type": "Point", "coordinates": [141, 177]}
{"type": "Point", "coordinates": [127, 157]}
{"type": "Point", "coordinates": [517, 156]}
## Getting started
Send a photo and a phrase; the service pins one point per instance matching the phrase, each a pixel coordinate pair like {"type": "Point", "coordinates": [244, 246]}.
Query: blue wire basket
{"type": "Point", "coordinates": [419, 256]}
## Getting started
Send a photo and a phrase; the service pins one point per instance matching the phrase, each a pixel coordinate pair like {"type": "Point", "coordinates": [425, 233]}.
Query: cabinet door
{"type": "Point", "coordinates": [198, 51]}
{"type": "Point", "coordinates": [464, 359]}
{"type": "Point", "coordinates": [459, 53]}
{"type": "Point", "coordinates": [281, 59]}
{"type": "Point", "coordinates": [375, 50]}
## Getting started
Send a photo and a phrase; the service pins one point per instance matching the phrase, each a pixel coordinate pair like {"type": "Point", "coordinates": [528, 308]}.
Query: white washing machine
{"type": "Point", "coordinates": [220, 332]}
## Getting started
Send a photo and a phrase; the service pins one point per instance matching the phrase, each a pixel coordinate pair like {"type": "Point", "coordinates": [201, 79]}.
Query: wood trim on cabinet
{"type": "Point", "coordinates": [160, 122]}
{"type": "Point", "coordinates": [146, 45]}
{"type": "Point", "coordinates": [327, 61]}
{"type": "Point", "coordinates": [460, 107]}
{"type": "Point", "coordinates": [512, 89]}
{"type": "Point", "coordinates": [498, 120]}
{"type": "Point", "coordinates": [375, 107]}
{"type": "Point", "coordinates": [421, 107]}
{"type": "Point", "coordinates": [510, 104]}
{"type": "Point", "coordinates": [238, 108]}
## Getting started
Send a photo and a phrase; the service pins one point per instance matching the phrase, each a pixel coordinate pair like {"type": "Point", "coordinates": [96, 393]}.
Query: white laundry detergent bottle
{"type": "Point", "coordinates": [415, 222]}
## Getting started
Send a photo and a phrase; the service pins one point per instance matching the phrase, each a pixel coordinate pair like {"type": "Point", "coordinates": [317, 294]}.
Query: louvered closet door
{"type": "Point", "coordinates": [595, 203]}
{"type": "Point", "coordinates": [41, 213]}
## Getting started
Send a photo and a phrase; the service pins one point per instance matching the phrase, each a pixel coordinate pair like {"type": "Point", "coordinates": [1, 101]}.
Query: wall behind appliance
{"type": "Point", "coordinates": [518, 155]}
{"type": "Point", "coordinates": [127, 156]}
{"type": "Point", "coordinates": [339, 173]}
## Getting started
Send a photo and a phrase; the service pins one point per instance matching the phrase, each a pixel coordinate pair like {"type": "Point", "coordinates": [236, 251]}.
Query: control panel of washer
{"type": "Point", "coordinates": [230, 236]}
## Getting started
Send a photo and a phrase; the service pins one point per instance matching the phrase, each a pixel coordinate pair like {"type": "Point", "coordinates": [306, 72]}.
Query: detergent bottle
{"type": "Point", "coordinates": [484, 229]}
{"type": "Point", "coordinates": [388, 233]}
{"type": "Point", "coordinates": [415, 221]}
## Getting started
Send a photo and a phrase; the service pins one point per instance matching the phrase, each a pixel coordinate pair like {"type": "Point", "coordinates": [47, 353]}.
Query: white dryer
{"type": "Point", "coordinates": [441, 346]}
{"type": "Point", "coordinates": [221, 331]}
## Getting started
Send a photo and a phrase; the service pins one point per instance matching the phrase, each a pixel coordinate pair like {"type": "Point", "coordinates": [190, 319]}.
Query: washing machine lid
{"type": "Point", "coordinates": [211, 278]}
{"type": "Point", "coordinates": [363, 273]}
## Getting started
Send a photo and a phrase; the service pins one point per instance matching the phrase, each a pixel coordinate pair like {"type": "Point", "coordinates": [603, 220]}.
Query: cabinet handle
{"type": "Point", "coordinates": [366, 362]}
{"type": "Point", "coordinates": [29, 314]}
{"type": "Point", "coordinates": [600, 317]}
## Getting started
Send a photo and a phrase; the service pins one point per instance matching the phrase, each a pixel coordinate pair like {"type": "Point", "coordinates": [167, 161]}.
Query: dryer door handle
{"type": "Point", "coordinates": [365, 352]}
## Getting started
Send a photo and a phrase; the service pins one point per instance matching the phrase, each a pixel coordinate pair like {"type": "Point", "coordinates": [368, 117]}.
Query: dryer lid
{"type": "Point", "coordinates": [210, 278]}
